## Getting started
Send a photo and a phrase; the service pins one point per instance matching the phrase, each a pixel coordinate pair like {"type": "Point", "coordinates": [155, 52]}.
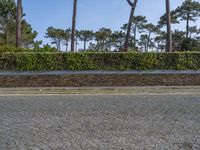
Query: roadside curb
{"type": "Point", "coordinates": [145, 90]}
{"type": "Point", "coordinates": [134, 94]}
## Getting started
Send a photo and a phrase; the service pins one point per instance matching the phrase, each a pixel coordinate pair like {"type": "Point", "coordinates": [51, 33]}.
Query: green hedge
{"type": "Point", "coordinates": [98, 61]}
{"type": "Point", "coordinates": [5, 49]}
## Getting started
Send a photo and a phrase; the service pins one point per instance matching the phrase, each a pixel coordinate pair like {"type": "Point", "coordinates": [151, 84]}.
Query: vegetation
{"type": "Point", "coordinates": [136, 35]}
{"type": "Point", "coordinates": [188, 11]}
{"type": "Point", "coordinates": [58, 36]}
{"type": "Point", "coordinates": [133, 6]}
{"type": "Point", "coordinates": [73, 26]}
{"type": "Point", "coordinates": [25, 36]}
{"type": "Point", "coordinates": [19, 24]}
{"type": "Point", "coordinates": [98, 61]}
{"type": "Point", "coordinates": [45, 48]}
{"type": "Point", "coordinates": [142, 36]}
{"type": "Point", "coordinates": [169, 30]}
{"type": "Point", "coordinates": [99, 54]}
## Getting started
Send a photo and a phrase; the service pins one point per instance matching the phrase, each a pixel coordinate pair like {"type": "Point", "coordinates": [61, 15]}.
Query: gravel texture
{"type": "Point", "coordinates": [78, 122]}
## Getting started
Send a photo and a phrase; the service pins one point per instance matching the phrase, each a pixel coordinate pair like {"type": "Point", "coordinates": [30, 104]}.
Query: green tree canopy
{"type": "Point", "coordinates": [188, 11]}
{"type": "Point", "coordinates": [8, 26]}
{"type": "Point", "coordinates": [57, 36]}
{"type": "Point", "coordinates": [86, 36]}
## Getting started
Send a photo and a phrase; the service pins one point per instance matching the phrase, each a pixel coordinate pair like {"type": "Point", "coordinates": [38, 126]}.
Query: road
{"type": "Point", "coordinates": [100, 122]}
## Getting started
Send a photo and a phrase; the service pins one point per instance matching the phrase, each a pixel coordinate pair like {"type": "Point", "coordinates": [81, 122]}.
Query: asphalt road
{"type": "Point", "coordinates": [106, 122]}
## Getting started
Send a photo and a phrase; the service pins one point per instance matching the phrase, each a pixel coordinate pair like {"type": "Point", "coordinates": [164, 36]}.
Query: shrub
{"type": "Point", "coordinates": [46, 48]}
{"type": "Point", "coordinates": [5, 49]}
{"type": "Point", "coordinates": [190, 44]}
{"type": "Point", "coordinates": [37, 61]}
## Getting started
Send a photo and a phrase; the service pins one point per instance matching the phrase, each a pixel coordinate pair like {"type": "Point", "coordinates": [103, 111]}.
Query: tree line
{"type": "Point", "coordinates": [14, 29]}
{"type": "Point", "coordinates": [136, 35]}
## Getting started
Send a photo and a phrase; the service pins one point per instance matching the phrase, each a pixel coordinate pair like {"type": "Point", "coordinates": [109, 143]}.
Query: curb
{"type": "Point", "coordinates": [146, 90]}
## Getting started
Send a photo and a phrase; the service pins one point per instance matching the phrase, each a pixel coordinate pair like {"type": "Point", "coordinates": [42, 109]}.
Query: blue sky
{"type": "Point", "coordinates": [92, 14]}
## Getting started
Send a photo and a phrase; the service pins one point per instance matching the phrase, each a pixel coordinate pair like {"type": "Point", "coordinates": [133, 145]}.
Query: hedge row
{"type": "Point", "coordinates": [98, 61]}
{"type": "Point", "coordinates": [5, 49]}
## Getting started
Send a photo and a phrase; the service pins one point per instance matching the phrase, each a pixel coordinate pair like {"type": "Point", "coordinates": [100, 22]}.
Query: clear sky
{"type": "Point", "coordinates": [92, 14]}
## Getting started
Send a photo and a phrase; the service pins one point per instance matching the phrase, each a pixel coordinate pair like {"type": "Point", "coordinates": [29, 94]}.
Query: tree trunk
{"type": "Point", "coordinates": [145, 47]}
{"type": "Point", "coordinates": [148, 40]}
{"type": "Point", "coordinates": [73, 26]}
{"type": "Point", "coordinates": [59, 44]}
{"type": "Point", "coordinates": [67, 46]}
{"type": "Point", "coordinates": [162, 49]}
{"type": "Point", "coordinates": [57, 47]}
{"type": "Point", "coordinates": [7, 36]}
{"type": "Point", "coordinates": [135, 34]}
{"type": "Point", "coordinates": [187, 26]}
{"type": "Point", "coordinates": [76, 41]}
{"type": "Point", "coordinates": [103, 46]}
{"type": "Point", "coordinates": [84, 44]}
{"type": "Point", "coordinates": [19, 24]}
{"type": "Point", "coordinates": [169, 31]}
{"type": "Point", "coordinates": [133, 5]}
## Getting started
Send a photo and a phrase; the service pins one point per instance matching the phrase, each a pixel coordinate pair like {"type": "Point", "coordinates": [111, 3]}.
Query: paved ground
{"type": "Point", "coordinates": [14, 73]}
{"type": "Point", "coordinates": [106, 122]}
{"type": "Point", "coordinates": [140, 90]}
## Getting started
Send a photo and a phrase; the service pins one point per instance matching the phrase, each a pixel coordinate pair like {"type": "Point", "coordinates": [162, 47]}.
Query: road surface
{"type": "Point", "coordinates": [100, 122]}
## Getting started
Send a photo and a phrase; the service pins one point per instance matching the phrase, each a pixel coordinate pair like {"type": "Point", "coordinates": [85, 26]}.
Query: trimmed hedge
{"type": "Point", "coordinates": [98, 61]}
{"type": "Point", "coordinates": [5, 49]}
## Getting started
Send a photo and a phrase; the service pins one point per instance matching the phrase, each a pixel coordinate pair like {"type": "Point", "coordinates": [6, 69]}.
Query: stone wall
{"type": "Point", "coordinates": [98, 79]}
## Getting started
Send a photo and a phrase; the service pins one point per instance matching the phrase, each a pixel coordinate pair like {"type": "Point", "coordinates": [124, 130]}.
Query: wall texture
{"type": "Point", "coordinates": [98, 79]}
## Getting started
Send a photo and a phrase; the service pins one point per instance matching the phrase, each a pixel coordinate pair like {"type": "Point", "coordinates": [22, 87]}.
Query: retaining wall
{"type": "Point", "coordinates": [99, 78]}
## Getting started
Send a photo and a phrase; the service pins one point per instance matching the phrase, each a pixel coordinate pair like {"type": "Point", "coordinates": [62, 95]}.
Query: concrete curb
{"type": "Point", "coordinates": [134, 94]}
{"type": "Point", "coordinates": [144, 90]}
